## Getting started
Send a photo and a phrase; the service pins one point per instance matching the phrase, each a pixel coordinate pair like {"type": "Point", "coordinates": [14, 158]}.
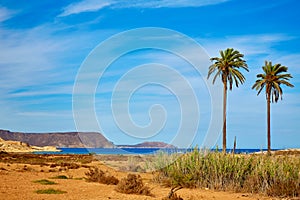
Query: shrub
{"type": "Point", "coordinates": [172, 195]}
{"type": "Point", "coordinates": [45, 182]}
{"type": "Point", "coordinates": [70, 165]}
{"type": "Point", "coordinates": [50, 191]}
{"type": "Point", "coordinates": [271, 175]}
{"type": "Point", "coordinates": [133, 165]}
{"type": "Point", "coordinates": [160, 160]}
{"type": "Point", "coordinates": [60, 177]}
{"type": "Point", "coordinates": [97, 175]}
{"type": "Point", "coordinates": [133, 184]}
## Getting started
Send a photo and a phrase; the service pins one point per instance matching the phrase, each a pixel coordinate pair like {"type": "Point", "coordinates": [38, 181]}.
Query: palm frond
{"type": "Point", "coordinates": [227, 66]}
{"type": "Point", "coordinates": [272, 79]}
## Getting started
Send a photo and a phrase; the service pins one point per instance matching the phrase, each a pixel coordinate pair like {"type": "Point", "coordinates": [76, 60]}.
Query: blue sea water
{"type": "Point", "coordinates": [126, 151]}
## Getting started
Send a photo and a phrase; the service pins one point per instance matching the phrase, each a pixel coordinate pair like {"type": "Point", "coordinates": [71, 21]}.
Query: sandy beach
{"type": "Point", "coordinates": [19, 173]}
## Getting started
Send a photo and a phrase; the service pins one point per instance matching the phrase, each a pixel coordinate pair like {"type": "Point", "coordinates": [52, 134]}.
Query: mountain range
{"type": "Point", "coordinates": [59, 139]}
{"type": "Point", "coordinates": [72, 140]}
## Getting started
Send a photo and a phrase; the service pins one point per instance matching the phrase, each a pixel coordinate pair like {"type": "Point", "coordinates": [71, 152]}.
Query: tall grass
{"type": "Point", "coordinates": [271, 175]}
{"type": "Point", "coordinates": [161, 159]}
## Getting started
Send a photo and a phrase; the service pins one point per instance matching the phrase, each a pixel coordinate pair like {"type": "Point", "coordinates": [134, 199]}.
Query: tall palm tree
{"type": "Point", "coordinates": [271, 79]}
{"type": "Point", "coordinates": [227, 67]}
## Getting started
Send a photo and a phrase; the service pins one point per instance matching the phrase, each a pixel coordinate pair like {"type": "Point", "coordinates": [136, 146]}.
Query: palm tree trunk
{"type": "Point", "coordinates": [224, 115]}
{"type": "Point", "coordinates": [269, 122]}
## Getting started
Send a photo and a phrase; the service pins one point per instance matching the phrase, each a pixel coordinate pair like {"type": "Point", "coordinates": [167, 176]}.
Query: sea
{"type": "Point", "coordinates": [138, 151]}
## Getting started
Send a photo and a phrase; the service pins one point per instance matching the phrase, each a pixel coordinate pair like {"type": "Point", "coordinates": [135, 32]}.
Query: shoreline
{"type": "Point", "coordinates": [153, 151]}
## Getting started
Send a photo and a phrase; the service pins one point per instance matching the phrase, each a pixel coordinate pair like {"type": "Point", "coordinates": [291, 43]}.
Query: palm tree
{"type": "Point", "coordinates": [227, 67]}
{"type": "Point", "coordinates": [271, 79]}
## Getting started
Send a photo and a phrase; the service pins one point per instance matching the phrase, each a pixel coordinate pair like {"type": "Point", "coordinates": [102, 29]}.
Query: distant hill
{"type": "Point", "coordinates": [65, 139]}
{"type": "Point", "coordinates": [22, 147]}
{"type": "Point", "coordinates": [148, 145]}
{"type": "Point", "coordinates": [73, 139]}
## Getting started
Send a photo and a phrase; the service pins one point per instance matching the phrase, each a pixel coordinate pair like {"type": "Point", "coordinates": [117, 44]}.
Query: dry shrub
{"type": "Point", "coordinates": [97, 175]}
{"type": "Point", "coordinates": [288, 188]}
{"type": "Point", "coordinates": [133, 184]}
{"type": "Point", "coordinates": [70, 165]}
{"type": "Point", "coordinates": [173, 197]}
{"type": "Point", "coordinates": [53, 165]}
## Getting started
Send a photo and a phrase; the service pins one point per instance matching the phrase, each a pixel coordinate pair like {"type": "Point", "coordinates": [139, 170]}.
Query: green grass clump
{"type": "Point", "coordinates": [45, 182]}
{"type": "Point", "coordinates": [50, 191]}
{"type": "Point", "coordinates": [277, 176]}
{"type": "Point", "coordinates": [60, 177]}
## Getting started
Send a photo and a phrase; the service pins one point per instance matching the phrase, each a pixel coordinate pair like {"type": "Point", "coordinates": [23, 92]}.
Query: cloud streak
{"type": "Point", "coordinates": [5, 14]}
{"type": "Point", "coordinates": [85, 6]}
{"type": "Point", "coordinates": [248, 44]}
{"type": "Point", "coordinates": [95, 5]}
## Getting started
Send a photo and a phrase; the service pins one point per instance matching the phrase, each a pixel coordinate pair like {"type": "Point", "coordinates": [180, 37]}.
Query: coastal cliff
{"type": "Point", "coordinates": [72, 140]}
{"type": "Point", "coordinates": [59, 139]}
{"type": "Point", "coordinates": [22, 147]}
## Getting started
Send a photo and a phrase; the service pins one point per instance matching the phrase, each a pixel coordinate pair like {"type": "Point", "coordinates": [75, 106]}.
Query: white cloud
{"type": "Point", "coordinates": [85, 6]}
{"type": "Point", "coordinates": [166, 3]}
{"type": "Point", "coordinates": [95, 5]}
{"type": "Point", "coordinates": [27, 57]}
{"type": "Point", "coordinates": [5, 14]}
{"type": "Point", "coordinates": [37, 70]}
{"type": "Point", "coordinates": [36, 58]}
{"type": "Point", "coordinates": [246, 44]}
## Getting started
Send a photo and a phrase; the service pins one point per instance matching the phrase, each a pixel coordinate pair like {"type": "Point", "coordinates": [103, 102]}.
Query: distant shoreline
{"type": "Point", "coordinates": [152, 151]}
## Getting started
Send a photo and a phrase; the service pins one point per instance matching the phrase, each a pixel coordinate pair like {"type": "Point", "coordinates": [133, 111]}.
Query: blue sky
{"type": "Point", "coordinates": [44, 43]}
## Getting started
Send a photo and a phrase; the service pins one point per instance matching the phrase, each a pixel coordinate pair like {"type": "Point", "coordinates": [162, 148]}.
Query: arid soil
{"type": "Point", "coordinates": [19, 171]}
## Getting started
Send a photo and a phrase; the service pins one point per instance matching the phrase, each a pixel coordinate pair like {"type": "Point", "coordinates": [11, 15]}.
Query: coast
{"type": "Point", "coordinates": [22, 147]}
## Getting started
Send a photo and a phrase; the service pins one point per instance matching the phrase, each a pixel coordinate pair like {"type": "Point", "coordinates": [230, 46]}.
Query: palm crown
{"type": "Point", "coordinates": [272, 78]}
{"type": "Point", "coordinates": [227, 67]}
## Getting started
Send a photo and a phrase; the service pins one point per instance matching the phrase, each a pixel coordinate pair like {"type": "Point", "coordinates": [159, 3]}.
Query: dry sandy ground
{"type": "Point", "coordinates": [17, 182]}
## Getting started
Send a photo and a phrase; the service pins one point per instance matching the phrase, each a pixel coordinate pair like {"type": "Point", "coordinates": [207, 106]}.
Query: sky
{"type": "Point", "coordinates": [148, 93]}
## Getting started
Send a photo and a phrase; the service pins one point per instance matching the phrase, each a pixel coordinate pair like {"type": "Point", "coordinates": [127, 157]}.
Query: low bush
{"type": "Point", "coordinates": [60, 177]}
{"type": "Point", "coordinates": [133, 184]}
{"type": "Point", "coordinates": [173, 197]}
{"type": "Point", "coordinates": [97, 175]}
{"type": "Point", "coordinates": [50, 191]}
{"type": "Point", "coordinates": [45, 182]}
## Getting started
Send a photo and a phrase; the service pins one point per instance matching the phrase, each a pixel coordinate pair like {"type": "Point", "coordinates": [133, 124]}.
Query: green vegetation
{"type": "Point", "coordinates": [60, 177]}
{"type": "Point", "coordinates": [160, 160]}
{"type": "Point", "coordinates": [271, 79]}
{"type": "Point", "coordinates": [271, 175]}
{"type": "Point", "coordinates": [45, 182]}
{"type": "Point", "coordinates": [227, 66]}
{"type": "Point", "coordinates": [50, 191]}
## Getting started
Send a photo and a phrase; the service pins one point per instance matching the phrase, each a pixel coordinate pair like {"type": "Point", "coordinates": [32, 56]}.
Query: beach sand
{"type": "Point", "coordinates": [18, 173]}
